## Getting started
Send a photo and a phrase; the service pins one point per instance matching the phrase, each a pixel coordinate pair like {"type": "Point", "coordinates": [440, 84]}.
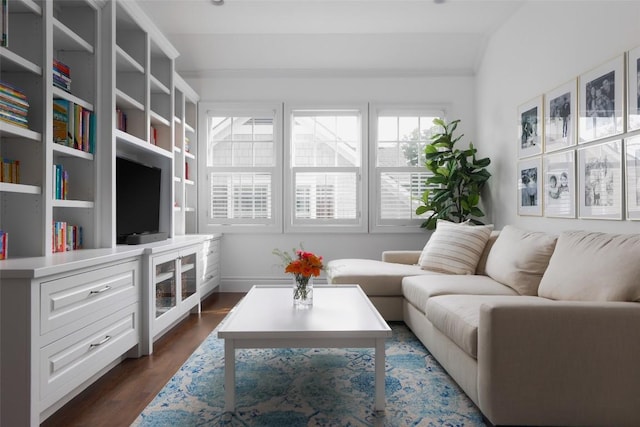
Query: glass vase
{"type": "Point", "coordinates": [302, 291]}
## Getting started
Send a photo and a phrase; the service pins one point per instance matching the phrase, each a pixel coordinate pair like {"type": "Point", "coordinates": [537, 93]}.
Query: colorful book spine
{"type": "Point", "coordinates": [66, 237]}
{"type": "Point", "coordinates": [61, 75]}
{"type": "Point", "coordinates": [61, 121]}
{"type": "Point", "coordinates": [14, 107]}
{"type": "Point", "coordinates": [9, 171]}
{"type": "Point", "coordinates": [4, 244]}
{"type": "Point", "coordinates": [121, 120]}
{"type": "Point", "coordinates": [60, 183]}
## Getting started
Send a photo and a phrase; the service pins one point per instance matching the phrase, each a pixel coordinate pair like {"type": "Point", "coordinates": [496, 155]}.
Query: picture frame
{"type": "Point", "coordinates": [633, 89]}
{"type": "Point", "coordinates": [601, 93]}
{"type": "Point", "coordinates": [529, 194]}
{"type": "Point", "coordinates": [560, 184]}
{"type": "Point", "coordinates": [632, 177]}
{"type": "Point", "coordinates": [530, 136]}
{"type": "Point", "coordinates": [600, 181]}
{"type": "Point", "coordinates": [560, 117]}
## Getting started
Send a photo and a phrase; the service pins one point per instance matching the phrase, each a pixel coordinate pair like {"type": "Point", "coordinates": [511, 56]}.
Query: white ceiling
{"type": "Point", "coordinates": [337, 37]}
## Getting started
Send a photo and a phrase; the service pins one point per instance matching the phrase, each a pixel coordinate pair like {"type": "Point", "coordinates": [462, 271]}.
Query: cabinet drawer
{"type": "Point", "coordinates": [87, 296]}
{"type": "Point", "coordinates": [70, 361]}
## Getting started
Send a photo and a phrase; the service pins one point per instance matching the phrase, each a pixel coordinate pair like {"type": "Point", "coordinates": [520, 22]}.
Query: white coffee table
{"type": "Point", "coordinates": [341, 317]}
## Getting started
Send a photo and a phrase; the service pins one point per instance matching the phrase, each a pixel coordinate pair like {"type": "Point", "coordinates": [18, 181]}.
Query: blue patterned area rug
{"type": "Point", "coordinates": [312, 387]}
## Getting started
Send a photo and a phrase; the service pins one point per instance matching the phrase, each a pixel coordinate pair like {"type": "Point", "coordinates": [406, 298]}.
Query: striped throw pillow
{"type": "Point", "coordinates": [455, 248]}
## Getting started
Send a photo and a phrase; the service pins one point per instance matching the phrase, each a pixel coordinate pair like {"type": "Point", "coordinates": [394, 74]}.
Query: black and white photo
{"type": "Point", "coordinates": [530, 128]}
{"type": "Point", "coordinates": [600, 180]}
{"type": "Point", "coordinates": [601, 108]}
{"type": "Point", "coordinates": [559, 185]}
{"type": "Point", "coordinates": [560, 113]}
{"type": "Point", "coordinates": [632, 148]}
{"type": "Point", "coordinates": [633, 89]}
{"type": "Point", "coordinates": [530, 186]}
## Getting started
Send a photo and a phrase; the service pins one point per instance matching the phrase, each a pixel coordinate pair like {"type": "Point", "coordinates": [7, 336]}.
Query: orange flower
{"type": "Point", "coordinates": [305, 264]}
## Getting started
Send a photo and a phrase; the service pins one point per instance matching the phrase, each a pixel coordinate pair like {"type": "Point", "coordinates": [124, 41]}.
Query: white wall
{"type": "Point", "coordinates": [542, 46]}
{"type": "Point", "coordinates": [247, 259]}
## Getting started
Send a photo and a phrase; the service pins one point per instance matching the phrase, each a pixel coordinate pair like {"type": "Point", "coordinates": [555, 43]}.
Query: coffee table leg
{"type": "Point", "coordinates": [229, 375]}
{"type": "Point", "coordinates": [379, 366]}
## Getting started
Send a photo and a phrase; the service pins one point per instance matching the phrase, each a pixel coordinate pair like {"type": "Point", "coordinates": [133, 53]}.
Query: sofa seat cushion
{"type": "Point", "coordinates": [419, 289]}
{"type": "Point", "coordinates": [592, 266]}
{"type": "Point", "coordinates": [458, 316]}
{"type": "Point", "coordinates": [376, 278]}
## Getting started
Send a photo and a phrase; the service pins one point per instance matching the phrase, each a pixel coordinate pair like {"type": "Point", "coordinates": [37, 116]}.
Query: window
{"type": "Point", "coordinates": [399, 136]}
{"type": "Point", "coordinates": [325, 175]}
{"type": "Point", "coordinates": [243, 167]}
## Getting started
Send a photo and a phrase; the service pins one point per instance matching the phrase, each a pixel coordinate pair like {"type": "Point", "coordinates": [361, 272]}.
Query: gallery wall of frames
{"type": "Point", "coordinates": [579, 145]}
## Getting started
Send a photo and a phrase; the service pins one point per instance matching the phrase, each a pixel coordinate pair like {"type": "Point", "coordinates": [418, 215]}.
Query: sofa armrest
{"type": "Point", "coordinates": [401, 257]}
{"type": "Point", "coordinates": [560, 363]}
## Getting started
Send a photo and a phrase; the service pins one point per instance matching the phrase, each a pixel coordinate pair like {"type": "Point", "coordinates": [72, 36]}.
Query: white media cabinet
{"type": "Point", "coordinates": [67, 319]}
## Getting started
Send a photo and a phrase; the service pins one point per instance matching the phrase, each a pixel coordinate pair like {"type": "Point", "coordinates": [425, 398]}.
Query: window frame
{"type": "Point", "coordinates": [377, 224]}
{"type": "Point", "coordinates": [356, 225]}
{"type": "Point", "coordinates": [225, 109]}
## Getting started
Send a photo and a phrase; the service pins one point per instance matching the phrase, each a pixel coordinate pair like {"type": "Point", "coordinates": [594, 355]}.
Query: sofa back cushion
{"type": "Point", "coordinates": [454, 248]}
{"type": "Point", "coordinates": [591, 266]}
{"type": "Point", "coordinates": [519, 258]}
{"type": "Point", "coordinates": [482, 264]}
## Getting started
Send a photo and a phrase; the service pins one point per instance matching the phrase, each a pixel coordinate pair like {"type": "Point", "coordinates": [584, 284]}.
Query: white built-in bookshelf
{"type": "Point", "coordinates": [118, 62]}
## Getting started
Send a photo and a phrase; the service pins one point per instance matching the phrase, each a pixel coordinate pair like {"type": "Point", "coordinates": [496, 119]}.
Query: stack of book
{"type": "Point", "coordinates": [13, 105]}
{"type": "Point", "coordinates": [4, 240]}
{"type": "Point", "coordinates": [74, 126]}
{"type": "Point", "coordinates": [61, 75]}
{"type": "Point", "coordinates": [9, 171]}
{"type": "Point", "coordinates": [60, 182]}
{"type": "Point", "coordinates": [66, 237]}
{"type": "Point", "coordinates": [153, 135]}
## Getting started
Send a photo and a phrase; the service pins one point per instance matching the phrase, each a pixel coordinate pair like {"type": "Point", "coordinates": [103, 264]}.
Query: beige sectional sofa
{"type": "Point", "coordinates": [546, 332]}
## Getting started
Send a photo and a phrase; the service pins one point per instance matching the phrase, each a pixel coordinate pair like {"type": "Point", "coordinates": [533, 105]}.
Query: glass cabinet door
{"type": "Point", "coordinates": [188, 275]}
{"type": "Point", "coordinates": [165, 282]}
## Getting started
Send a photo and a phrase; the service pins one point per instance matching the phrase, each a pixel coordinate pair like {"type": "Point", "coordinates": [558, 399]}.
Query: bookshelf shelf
{"type": "Point", "coordinates": [134, 145]}
{"type": "Point", "coordinates": [189, 155]}
{"type": "Point", "coordinates": [12, 62]}
{"type": "Point", "coordinates": [24, 6]}
{"type": "Point", "coordinates": [65, 39]}
{"type": "Point", "coordinates": [189, 182]}
{"type": "Point", "coordinates": [157, 86]}
{"type": "Point", "coordinates": [13, 131]}
{"type": "Point", "coordinates": [188, 128]}
{"type": "Point", "coordinates": [123, 100]}
{"type": "Point", "coordinates": [62, 94]}
{"type": "Point", "coordinates": [82, 204]}
{"type": "Point", "coordinates": [126, 63]}
{"type": "Point", "coordinates": [189, 209]}
{"type": "Point", "coordinates": [19, 188]}
{"type": "Point", "coordinates": [63, 150]}
{"type": "Point", "coordinates": [157, 119]}
{"type": "Point", "coordinates": [177, 179]}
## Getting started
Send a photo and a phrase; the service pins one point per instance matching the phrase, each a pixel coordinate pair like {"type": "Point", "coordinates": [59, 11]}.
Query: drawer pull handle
{"type": "Point", "coordinates": [102, 341]}
{"type": "Point", "coordinates": [209, 277]}
{"type": "Point", "coordinates": [99, 291]}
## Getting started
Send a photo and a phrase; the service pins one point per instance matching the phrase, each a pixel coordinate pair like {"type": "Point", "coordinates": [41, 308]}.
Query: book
{"type": "Point", "coordinates": [62, 68]}
{"type": "Point", "coordinates": [61, 121]}
{"type": "Point", "coordinates": [4, 244]}
{"type": "Point", "coordinates": [12, 90]}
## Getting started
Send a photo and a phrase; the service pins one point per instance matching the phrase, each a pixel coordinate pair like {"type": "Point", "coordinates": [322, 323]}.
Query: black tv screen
{"type": "Point", "coordinates": [137, 199]}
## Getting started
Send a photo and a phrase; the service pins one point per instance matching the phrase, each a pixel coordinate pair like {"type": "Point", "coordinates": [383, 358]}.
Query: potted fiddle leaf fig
{"type": "Point", "coordinates": [457, 180]}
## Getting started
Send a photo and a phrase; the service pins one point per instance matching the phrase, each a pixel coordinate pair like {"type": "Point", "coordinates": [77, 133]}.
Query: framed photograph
{"type": "Point", "coordinates": [633, 87]}
{"type": "Point", "coordinates": [601, 94]}
{"type": "Point", "coordinates": [530, 187]}
{"type": "Point", "coordinates": [559, 117]}
{"type": "Point", "coordinates": [600, 181]}
{"type": "Point", "coordinates": [632, 148]}
{"type": "Point", "coordinates": [530, 128]}
{"type": "Point", "coordinates": [560, 185]}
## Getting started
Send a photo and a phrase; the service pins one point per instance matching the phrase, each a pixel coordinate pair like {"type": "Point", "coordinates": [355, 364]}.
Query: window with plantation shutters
{"type": "Point", "coordinates": [243, 167]}
{"type": "Point", "coordinates": [324, 176]}
{"type": "Point", "coordinates": [399, 136]}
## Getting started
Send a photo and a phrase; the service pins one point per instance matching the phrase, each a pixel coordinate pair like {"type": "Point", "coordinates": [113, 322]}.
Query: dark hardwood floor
{"type": "Point", "coordinates": [118, 397]}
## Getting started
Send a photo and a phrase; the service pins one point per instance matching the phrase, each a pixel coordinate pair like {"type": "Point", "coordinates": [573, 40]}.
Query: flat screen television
{"type": "Point", "coordinates": [137, 202]}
